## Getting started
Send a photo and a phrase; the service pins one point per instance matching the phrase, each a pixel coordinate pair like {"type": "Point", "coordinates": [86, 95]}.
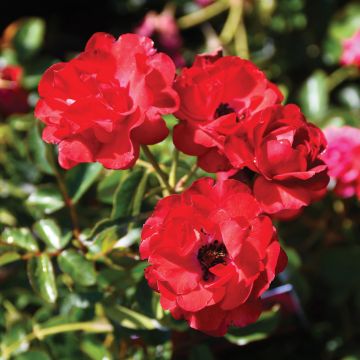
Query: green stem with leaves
{"type": "Point", "coordinates": [162, 176]}
{"type": "Point", "coordinates": [99, 326]}
{"type": "Point", "coordinates": [67, 199]}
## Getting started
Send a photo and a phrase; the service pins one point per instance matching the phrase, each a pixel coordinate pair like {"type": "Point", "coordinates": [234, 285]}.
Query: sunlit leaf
{"type": "Point", "coordinates": [20, 237]}
{"type": "Point", "coordinates": [80, 178]}
{"type": "Point", "coordinates": [41, 275]}
{"type": "Point", "coordinates": [80, 269]}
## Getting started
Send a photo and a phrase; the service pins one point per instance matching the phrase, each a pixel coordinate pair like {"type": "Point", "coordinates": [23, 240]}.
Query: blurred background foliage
{"type": "Point", "coordinates": [72, 285]}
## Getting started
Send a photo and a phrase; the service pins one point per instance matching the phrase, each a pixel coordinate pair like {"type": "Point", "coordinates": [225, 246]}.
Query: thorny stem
{"type": "Point", "coordinates": [99, 326]}
{"type": "Point", "coordinates": [202, 15]}
{"type": "Point", "coordinates": [155, 165]}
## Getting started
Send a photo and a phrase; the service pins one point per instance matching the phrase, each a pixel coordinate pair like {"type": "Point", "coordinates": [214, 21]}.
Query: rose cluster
{"type": "Point", "coordinates": [212, 249]}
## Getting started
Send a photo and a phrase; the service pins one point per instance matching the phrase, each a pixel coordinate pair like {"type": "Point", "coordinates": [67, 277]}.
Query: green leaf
{"type": "Point", "coordinates": [15, 335]}
{"type": "Point", "coordinates": [80, 178]}
{"type": "Point", "coordinates": [29, 38]}
{"type": "Point", "coordinates": [105, 240]}
{"type": "Point", "coordinates": [95, 350]}
{"type": "Point", "coordinates": [264, 327]}
{"type": "Point", "coordinates": [41, 275]}
{"type": "Point", "coordinates": [21, 238]}
{"type": "Point", "coordinates": [314, 96]}
{"type": "Point", "coordinates": [45, 200]}
{"type": "Point", "coordinates": [125, 194]}
{"type": "Point", "coordinates": [108, 185]}
{"type": "Point", "coordinates": [34, 355]}
{"type": "Point", "coordinates": [49, 232]}
{"type": "Point", "coordinates": [9, 257]}
{"type": "Point", "coordinates": [202, 352]}
{"type": "Point", "coordinates": [38, 149]}
{"type": "Point", "coordinates": [80, 269]}
{"type": "Point", "coordinates": [131, 319]}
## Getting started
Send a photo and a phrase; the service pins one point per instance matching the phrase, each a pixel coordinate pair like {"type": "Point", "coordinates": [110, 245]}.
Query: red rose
{"type": "Point", "coordinates": [212, 254]}
{"type": "Point", "coordinates": [282, 150]}
{"type": "Point", "coordinates": [13, 98]}
{"type": "Point", "coordinates": [107, 101]}
{"type": "Point", "coordinates": [217, 94]}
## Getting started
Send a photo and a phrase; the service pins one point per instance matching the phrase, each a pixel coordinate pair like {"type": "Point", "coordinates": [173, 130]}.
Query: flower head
{"type": "Point", "coordinates": [100, 106]}
{"type": "Point", "coordinates": [343, 159]}
{"type": "Point", "coordinates": [282, 152]}
{"type": "Point", "coordinates": [212, 253]}
{"type": "Point", "coordinates": [217, 94]}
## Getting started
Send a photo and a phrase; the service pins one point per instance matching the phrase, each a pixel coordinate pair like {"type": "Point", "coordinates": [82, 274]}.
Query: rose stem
{"type": "Point", "coordinates": [232, 22]}
{"type": "Point", "coordinates": [174, 164]}
{"type": "Point", "coordinates": [67, 199]}
{"type": "Point", "coordinates": [341, 74]}
{"type": "Point", "coordinates": [151, 158]}
{"type": "Point", "coordinates": [202, 15]}
{"type": "Point", "coordinates": [186, 177]}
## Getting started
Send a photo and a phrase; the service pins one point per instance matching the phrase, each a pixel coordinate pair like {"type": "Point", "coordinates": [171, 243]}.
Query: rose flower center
{"type": "Point", "coordinates": [223, 109]}
{"type": "Point", "coordinates": [210, 255]}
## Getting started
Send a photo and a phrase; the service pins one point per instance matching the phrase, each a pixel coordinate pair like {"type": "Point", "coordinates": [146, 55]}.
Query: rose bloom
{"type": "Point", "coordinates": [351, 50]}
{"type": "Point", "coordinates": [217, 93]}
{"type": "Point", "coordinates": [165, 32]}
{"type": "Point", "coordinates": [13, 98]}
{"type": "Point", "coordinates": [281, 152]}
{"type": "Point", "coordinates": [102, 105]}
{"type": "Point", "coordinates": [343, 159]}
{"type": "Point", "coordinates": [212, 253]}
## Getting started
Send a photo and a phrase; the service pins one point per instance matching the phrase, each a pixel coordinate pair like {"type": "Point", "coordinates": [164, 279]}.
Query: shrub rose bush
{"type": "Point", "coordinates": [121, 250]}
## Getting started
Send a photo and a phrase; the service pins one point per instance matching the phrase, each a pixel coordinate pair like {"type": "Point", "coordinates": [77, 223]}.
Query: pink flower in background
{"type": "Point", "coordinates": [351, 50]}
{"type": "Point", "coordinates": [162, 28]}
{"type": "Point", "coordinates": [343, 159]}
{"type": "Point", "coordinates": [204, 3]}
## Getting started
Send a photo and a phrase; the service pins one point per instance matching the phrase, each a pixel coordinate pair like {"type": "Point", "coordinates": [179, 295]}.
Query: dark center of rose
{"type": "Point", "coordinates": [223, 109]}
{"type": "Point", "coordinates": [210, 255]}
